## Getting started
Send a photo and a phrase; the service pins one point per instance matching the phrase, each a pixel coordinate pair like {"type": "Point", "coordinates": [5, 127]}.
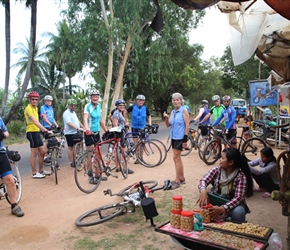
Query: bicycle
{"type": "Point", "coordinates": [145, 150]}
{"type": "Point", "coordinates": [13, 157]}
{"type": "Point", "coordinates": [79, 145]}
{"type": "Point", "coordinates": [91, 164]}
{"type": "Point", "coordinates": [250, 147]}
{"type": "Point", "coordinates": [270, 134]}
{"type": "Point", "coordinates": [132, 195]}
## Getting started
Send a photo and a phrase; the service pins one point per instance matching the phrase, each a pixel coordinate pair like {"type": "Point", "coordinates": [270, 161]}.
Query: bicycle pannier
{"type": "Point", "coordinates": [52, 142]}
{"type": "Point", "coordinates": [13, 155]}
{"type": "Point", "coordinates": [78, 137]}
{"type": "Point", "coordinates": [155, 128]}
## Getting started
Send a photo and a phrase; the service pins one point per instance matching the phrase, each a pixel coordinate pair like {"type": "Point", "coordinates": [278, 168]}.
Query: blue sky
{"type": "Point", "coordinates": [212, 34]}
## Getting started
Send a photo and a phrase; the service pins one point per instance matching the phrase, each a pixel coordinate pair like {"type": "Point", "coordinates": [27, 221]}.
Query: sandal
{"type": "Point", "coordinates": [182, 182]}
{"type": "Point", "coordinates": [266, 195]}
{"type": "Point", "coordinates": [175, 185]}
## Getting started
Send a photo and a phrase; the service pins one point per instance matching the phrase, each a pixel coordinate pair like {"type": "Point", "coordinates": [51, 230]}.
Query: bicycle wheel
{"type": "Point", "coordinates": [270, 138]}
{"type": "Point", "coordinates": [78, 150]}
{"type": "Point", "coordinates": [168, 143]}
{"type": "Point", "coordinates": [17, 180]}
{"type": "Point", "coordinates": [149, 154]}
{"type": "Point", "coordinates": [252, 147]}
{"type": "Point", "coordinates": [121, 158]}
{"type": "Point", "coordinates": [99, 215]}
{"type": "Point", "coordinates": [136, 187]}
{"type": "Point", "coordinates": [162, 148]}
{"type": "Point", "coordinates": [188, 149]}
{"type": "Point", "coordinates": [258, 130]}
{"type": "Point", "coordinates": [201, 146]}
{"type": "Point", "coordinates": [54, 164]}
{"type": "Point", "coordinates": [87, 173]}
{"type": "Point", "coordinates": [212, 152]}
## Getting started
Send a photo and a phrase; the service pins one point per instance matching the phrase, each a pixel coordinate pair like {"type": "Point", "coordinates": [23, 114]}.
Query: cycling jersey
{"type": "Point", "coordinates": [216, 111]}
{"type": "Point", "coordinates": [205, 112]}
{"type": "Point", "coordinates": [229, 114]}
{"type": "Point", "coordinates": [4, 129]}
{"type": "Point", "coordinates": [48, 112]}
{"type": "Point", "coordinates": [139, 116]}
{"type": "Point", "coordinates": [119, 116]}
{"type": "Point", "coordinates": [30, 111]}
{"type": "Point", "coordinates": [95, 114]}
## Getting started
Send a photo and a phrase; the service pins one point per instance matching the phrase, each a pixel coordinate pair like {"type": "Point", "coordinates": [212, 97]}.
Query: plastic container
{"type": "Point", "coordinates": [204, 213]}
{"type": "Point", "coordinates": [186, 220]}
{"type": "Point", "coordinates": [195, 212]}
{"type": "Point", "coordinates": [177, 203]}
{"type": "Point", "coordinates": [175, 219]}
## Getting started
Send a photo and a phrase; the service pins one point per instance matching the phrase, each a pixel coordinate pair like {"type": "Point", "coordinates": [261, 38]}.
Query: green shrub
{"type": "Point", "coordinates": [16, 127]}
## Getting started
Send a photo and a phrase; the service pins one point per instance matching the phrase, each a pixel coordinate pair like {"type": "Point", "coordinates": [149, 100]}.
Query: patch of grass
{"type": "Point", "coordinates": [15, 139]}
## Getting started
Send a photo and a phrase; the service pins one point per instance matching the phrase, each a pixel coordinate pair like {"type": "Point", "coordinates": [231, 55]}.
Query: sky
{"type": "Point", "coordinates": [212, 34]}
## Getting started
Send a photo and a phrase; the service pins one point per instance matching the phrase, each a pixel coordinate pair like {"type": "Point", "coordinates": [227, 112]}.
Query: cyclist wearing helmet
{"type": "Point", "coordinates": [188, 108]}
{"type": "Point", "coordinates": [113, 110]}
{"type": "Point", "coordinates": [47, 114]}
{"type": "Point", "coordinates": [229, 115]}
{"type": "Point", "coordinates": [6, 173]}
{"type": "Point", "coordinates": [33, 128]}
{"type": "Point", "coordinates": [215, 110]}
{"type": "Point", "coordinates": [71, 126]}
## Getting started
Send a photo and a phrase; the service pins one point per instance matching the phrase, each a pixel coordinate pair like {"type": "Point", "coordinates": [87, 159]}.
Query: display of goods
{"type": "Point", "coordinates": [175, 219]}
{"type": "Point", "coordinates": [244, 228]}
{"type": "Point", "coordinates": [186, 221]}
{"type": "Point", "coordinates": [177, 203]}
{"type": "Point", "coordinates": [227, 240]}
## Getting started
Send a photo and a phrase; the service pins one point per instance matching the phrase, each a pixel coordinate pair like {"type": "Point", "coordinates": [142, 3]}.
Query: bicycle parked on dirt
{"type": "Point", "coordinates": [13, 157]}
{"type": "Point", "coordinates": [149, 152]}
{"type": "Point", "coordinates": [91, 164]}
{"type": "Point", "coordinates": [250, 147]}
{"type": "Point", "coordinates": [132, 195]}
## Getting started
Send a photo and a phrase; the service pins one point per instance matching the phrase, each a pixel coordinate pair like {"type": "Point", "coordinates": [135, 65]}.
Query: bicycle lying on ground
{"type": "Point", "coordinates": [250, 147]}
{"type": "Point", "coordinates": [149, 152]}
{"type": "Point", "coordinates": [91, 165]}
{"type": "Point", "coordinates": [132, 195]}
{"type": "Point", "coordinates": [13, 157]}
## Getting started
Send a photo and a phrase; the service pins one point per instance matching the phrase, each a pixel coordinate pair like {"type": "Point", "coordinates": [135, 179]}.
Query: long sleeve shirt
{"type": "Point", "coordinates": [269, 168]}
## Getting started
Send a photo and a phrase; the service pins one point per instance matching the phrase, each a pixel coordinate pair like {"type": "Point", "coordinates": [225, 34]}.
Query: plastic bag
{"type": "Point", "coordinates": [275, 242]}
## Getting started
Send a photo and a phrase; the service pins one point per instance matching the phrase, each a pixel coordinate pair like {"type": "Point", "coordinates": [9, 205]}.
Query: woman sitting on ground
{"type": "Point", "coordinates": [232, 180]}
{"type": "Point", "coordinates": [266, 175]}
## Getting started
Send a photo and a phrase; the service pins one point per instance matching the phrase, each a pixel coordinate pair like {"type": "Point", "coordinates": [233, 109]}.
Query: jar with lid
{"type": "Point", "coordinates": [186, 220]}
{"type": "Point", "coordinates": [204, 213]}
{"type": "Point", "coordinates": [175, 219]}
{"type": "Point", "coordinates": [177, 203]}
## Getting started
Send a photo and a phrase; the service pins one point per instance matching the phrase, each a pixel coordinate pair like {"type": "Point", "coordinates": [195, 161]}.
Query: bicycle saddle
{"type": "Point", "coordinates": [167, 185]}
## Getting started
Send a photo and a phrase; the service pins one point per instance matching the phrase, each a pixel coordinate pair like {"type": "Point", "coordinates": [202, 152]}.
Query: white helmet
{"type": "Point", "coordinates": [204, 102]}
{"type": "Point", "coordinates": [48, 98]}
{"type": "Point", "coordinates": [140, 97]}
{"type": "Point", "coordinates": [215, 98]}
{"type": "Point", "coordinates": [94, 92]}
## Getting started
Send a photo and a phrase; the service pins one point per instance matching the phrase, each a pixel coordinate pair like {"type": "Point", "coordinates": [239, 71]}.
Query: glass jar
{"type": "Point", "coordinates": [204, 213]}
{"type": "Point", "coordinates": [186, 220]}
{"type": "Point", "coordinates": [177, 203]}
{"type": "Point", "coordinates": [175, 219]}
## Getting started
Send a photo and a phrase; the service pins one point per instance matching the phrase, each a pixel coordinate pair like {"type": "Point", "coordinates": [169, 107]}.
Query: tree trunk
{"type": "Point", "coordinates": [8, 53]}
{"type": "Point", "coordinates": [27, 77]}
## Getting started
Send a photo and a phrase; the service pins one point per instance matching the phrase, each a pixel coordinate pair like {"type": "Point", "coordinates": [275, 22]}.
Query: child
{"type": "Point", "coordinates": [249, 124]}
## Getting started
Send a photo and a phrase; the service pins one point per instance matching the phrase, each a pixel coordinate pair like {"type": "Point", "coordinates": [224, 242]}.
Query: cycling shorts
{"type": "Point", "coordinates": [34, 139]}
{"type": "Point", "coordinates": [5, 167]}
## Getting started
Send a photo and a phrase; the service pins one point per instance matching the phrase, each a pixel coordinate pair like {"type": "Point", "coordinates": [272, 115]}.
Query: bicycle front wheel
{"type": "Point", "coordinates": [136, 187]}
{"type": "Point", "coordinates": [252, 147]}
{"type": "Point", "coordinates": [54, 164]}
{"type": "Point", "coordinates": [122, 161]}
{"type": "Point", "coordinates": [162, 148]}
{"type": "Point", "coordinates": [270, 138]}
{"type": "Point", "coordinates": [212, 152]}
{"type": "Point", "coordinates": [149, 154]}
{"type": "Point", "coordinates": [201, 146]}
{"type": "Point", "coordinates": [99, 215]}
{"type": "Point", "coordinates": [186, 151]}
{"type": "Point", "coordinates": [88, 172]}
{"type": "Point", "coordinates": [17, 180]}
{"type": "Point", "coordinates": [168, 143]}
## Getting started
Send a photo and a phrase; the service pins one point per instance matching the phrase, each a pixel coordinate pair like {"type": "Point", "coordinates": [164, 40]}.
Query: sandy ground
{"type": "Point", "coordinates": [51, 210]}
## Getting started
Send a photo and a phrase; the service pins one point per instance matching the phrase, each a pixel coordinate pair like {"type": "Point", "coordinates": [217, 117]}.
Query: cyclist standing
{"type": "Point", "coordinates": [203, 112]}
{"type": "Point", "coordinates": [229, 115]}
{"type": "Point", "coordinates": [33, 128]}
{"type": "Point", "coordinates": [215, 110]}
{"type": "Point", "coordinates": [47, 117]}
{"type": "Point", "coordinates": [93, 121]}
{"type": "Point", "coordinates": [71, 126]}
{"type": "Point", "coordinates": [140, 114]}
{"type": "Point", "coordinates": [6, 172]}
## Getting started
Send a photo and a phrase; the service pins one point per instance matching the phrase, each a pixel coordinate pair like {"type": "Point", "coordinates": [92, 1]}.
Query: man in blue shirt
{"type": "Point", "coordinates": [47, 114]}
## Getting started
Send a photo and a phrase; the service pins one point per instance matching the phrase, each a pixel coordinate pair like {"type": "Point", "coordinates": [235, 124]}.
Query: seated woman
{"type": "Point", "coordinates": [232, 180]}
{"type": "Point", "coordinates": [266, 175]}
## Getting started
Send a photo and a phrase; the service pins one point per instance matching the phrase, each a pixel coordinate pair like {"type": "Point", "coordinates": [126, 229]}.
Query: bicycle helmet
{"type": "Point", "coordinates": [48, 98]}
{"type": "Point", "coordinates": [204, 102]}
{"type": "Point", "coordinates": [188, 108]}
{"type": "Point", "coordinates": [215, 98]}
{"type": "Point", "coordinates": [140, 97]}
{"type": "Point", "coordinates": [72, 102]}
{"type": "Point", "coordinates": [33, 94]}
{"type": "Point", "coordinates": [94, 92]}
{"type": "Point", "coordinates": [120, 101]}
{"type": "Point", "coordinates": [226, 98]}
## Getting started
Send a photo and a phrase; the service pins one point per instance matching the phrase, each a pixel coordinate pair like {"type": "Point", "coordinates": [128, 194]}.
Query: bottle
{"type": "Point", "coordinates": [186, 220]}
{"type": "Point", "coordinates": [177, 203]}
{"type": "Point", "coordinates": [175, 219]}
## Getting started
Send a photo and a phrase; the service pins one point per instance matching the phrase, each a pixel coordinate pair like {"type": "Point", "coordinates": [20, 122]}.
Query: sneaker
{"type": "Point", "coordinates": [94, 180]}
{"type": "Point", "coordinates": [118, 170]}
{"type": "Point", "coordinates": [44, 172]}
{"type": "Point", "coordinates": [72, 165]}
{"type": "Point", "coordinates": [187, 148]}
{"type": "Point", "coordinates": [17, 211]}
{"type": "Point", "coordinates": [37, 175]}
{"type": "Point", "coordinates": [175, 185]}
{"type": "Point", "coordinates": [130, 171]}
{"type": "Point", "coordinates": [136, 162]}
{"type": "Point", "coordinates": [182, 182]}
{"type": "Point", "coordinates": [57, 167]}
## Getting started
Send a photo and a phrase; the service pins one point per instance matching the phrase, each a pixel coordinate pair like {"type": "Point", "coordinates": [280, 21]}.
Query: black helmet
{"type": "Point", "coordinates": [120, 101]}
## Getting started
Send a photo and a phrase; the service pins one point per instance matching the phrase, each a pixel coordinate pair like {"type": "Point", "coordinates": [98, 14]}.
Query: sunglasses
{"type": "Point", "coordinates": [226, 101]}
{"type": "Point", "coordinates": [121, 105]}
{"type": "Point", "coordinates": [34, 99]}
